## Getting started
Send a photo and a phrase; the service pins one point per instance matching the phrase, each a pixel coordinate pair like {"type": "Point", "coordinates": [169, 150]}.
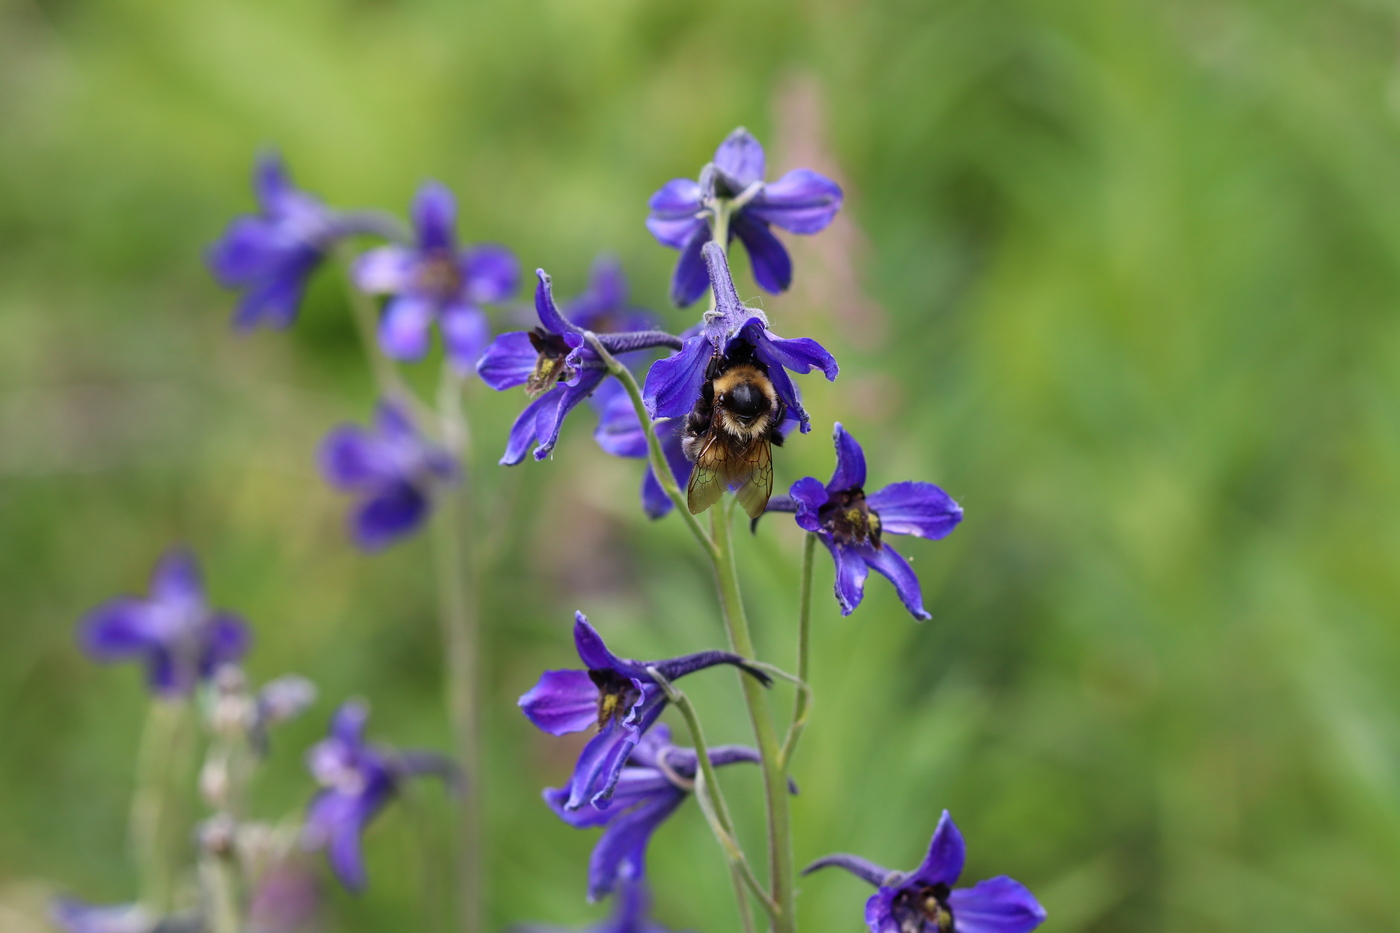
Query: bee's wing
{"type": "Point", "coordinates": [758, 487]}
{"type": "Point", "coordinates": [708, 477]}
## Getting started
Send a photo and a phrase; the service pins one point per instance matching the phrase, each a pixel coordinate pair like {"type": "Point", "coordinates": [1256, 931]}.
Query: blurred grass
{"type": "Point", "coordinates": [1125, 282]}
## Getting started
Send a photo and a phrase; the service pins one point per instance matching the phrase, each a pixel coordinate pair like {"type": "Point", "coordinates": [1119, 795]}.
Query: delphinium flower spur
{"type": "Point", "coordinates": [925, 901]}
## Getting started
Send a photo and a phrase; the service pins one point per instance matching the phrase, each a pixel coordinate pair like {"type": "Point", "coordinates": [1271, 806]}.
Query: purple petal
{"type": "Point", "coordinates": [492, 273]}
{"type": "Point", "coordinates": [169, 674]}
{"type": "Point", "coordinates": [674, 212]}
{"type": "Point", "coordinates": [619, 432]}
{"type": "Point", "coordinates": [810, 495]}
{"type": "Point", "coordinates": [769, 259]}
{"type": "Point", "coordinates": [740, 157]}
{"type": "Point", "coordinates": [435, 218]}
{"type": "Point", "coordinates": [912, 508]}
{"type": "Point", "coordinates": [691, 278]}
{"type": "Point", "coordinates": [250, 249]}
{"type": "Point", "coordinates": [551, 422]}
{"type": "Point", "coordinates": [75, 916]}
{"type": "Point", "coordinates": [177, 580]}
{"type": "Point", "coordinates": [888, 562]}
{"type": "Point", "coordinates": [337, 820]}
{"type": "Point", "coordinates": [348, 722]}
{"type": "Point", "coordinates": [465, 332]}
{"type": "Point", "coordinates": [385, 269]}
{"type": "Point", "coordinates": [591, 649]}
{"type": "Point", "coordinates": [526, 427]}
{"type": "Point", "coordinates": [944, 862]}
{"type": "Point", "coordinates": [802, 201]}
{"type": "Point", "coordinates": [562, 702]}
{"type": "Point", "coordinates": [352, 458]}
{"type": "Point", "coordinates": [395, 511]}
{"type": "Point", "coordinates": [850, 575]}
{"type": "Point", "coordinates": [850, 462]}
{"type": "Point", "coordinates": [799, 354]}
{"type": "Point", "coordinates": [548, 311]}
{"type": "Point", "coordinates": [600, 765]}
{"type": "Point", "coordinates": [607, 285]}
{"type": "Point", "coordinates": [672, 385]}
{"type": "Point", "coordinates": [403, 330]}
{"type": "Point", "coordinates": [394, 424]}
{"type": "Point", "coordinates": [271, 181]}
{"type": "Point", "coordinates": [227, 642]}
{"type": "Point", "coordinates": [118, 629]}
{"type": "Point", "coordinates": [508, 361]}
{"type": "Point", "coordinates": [274, 302]}
{"type": "Point", "coordinates": [997, 905]}
{"type": "Point", "coordinates": [655, 502]}
{"type": "Point", "coordinates": [620, 854]}
{"type": "Point", "coordinates": [879, 915]}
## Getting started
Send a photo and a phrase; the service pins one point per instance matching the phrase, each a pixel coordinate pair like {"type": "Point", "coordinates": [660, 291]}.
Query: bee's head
{"type": "Point", "coordinates": [746, 396]}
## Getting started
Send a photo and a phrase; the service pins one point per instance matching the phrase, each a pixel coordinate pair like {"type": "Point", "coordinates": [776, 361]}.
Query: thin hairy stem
{"type": "Point", "coordinates": [780, 866]}
{"type": "Point", "coordinates": [459, 616]}
{"type": "Point", "coordinates": [657, 458]}
{"type": "Point", "coordinates": [711, 799]}
{"type": "Point", "coordinates": [164, 756]}
{"type": "Point", "coordinates": [803, 704]}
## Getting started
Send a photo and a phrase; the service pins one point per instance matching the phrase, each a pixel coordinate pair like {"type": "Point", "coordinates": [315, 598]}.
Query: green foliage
{"type": "Point", "coordinates": [1127, 287]}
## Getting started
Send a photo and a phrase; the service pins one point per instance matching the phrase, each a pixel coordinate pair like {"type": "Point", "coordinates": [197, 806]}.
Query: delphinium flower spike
{"type": "Point", "coordinates": [617, 697]}
{"type": "Point", "coordinates": [924, 900]}
{"type": "Point", "coordinates": [358, 780]}
{"type": "Point", "coordinates": [853, 524]}
{"type": "Point", "coordinates": [558, 368]}
{"type": "Point", "coordinates": [656, 780]}
{"type": "Point", "coordinates": [434, 280]}
{"type": "Point", "coordinates": [631, 915]}
{"type": "Point", "coordinates": [683, 212]}
{"type": "Point", "coordinates": [730, 382]}
{"type": "Point", "coordinates": [181, 640]}
{"type": "Point", "coordinates": [393, 470]}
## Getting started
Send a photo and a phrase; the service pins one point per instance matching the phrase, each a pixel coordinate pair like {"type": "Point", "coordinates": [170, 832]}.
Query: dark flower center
{"type": "Point", "coordinates": [616, 696]}
{"type": "Point", "coordinates": [550, 367]}
{"type": "Point", "coordinates": [849, 520]}
{"type": "Point", "coordinates": [439, 275]}
{"type": "Point", "coordinates": [923, 910]}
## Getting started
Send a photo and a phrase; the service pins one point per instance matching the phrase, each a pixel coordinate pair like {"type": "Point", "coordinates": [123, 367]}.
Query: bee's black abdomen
{"type": "Point", "coordinates": [746, 400]}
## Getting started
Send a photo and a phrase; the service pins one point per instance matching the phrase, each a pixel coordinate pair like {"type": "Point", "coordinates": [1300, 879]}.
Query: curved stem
{"type": "Point", "coordinates": [781, 877]}
{"type": "Point", "coordinates": [803, 704]}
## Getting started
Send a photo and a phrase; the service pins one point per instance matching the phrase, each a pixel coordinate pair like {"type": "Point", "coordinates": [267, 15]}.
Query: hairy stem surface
{"type": "Point", "coordinates": [803, 704]}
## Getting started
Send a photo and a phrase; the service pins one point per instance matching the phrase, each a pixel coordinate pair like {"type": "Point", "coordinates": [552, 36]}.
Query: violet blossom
{"type": "Point", "coordinates": [632, 915]}
{"type": "Point", "coordinates": [174, 632]}
{"type": "Point", "coordinates": [925, 901]}
{"type": "Point", "coordinates": [392, 470]}
{"type": "Point", "coordinates": [604, 306]}
{"type": "Point", "coordinates": [75, 916]}
{"type": "Point", "coordinates": [434, 280]}
{"type": "Point", "coordinates": [674, 384]}
{"type": "Point", "coordinates": [620, 434]}
{"type": "Point", "coordinates": [853, 524]}
{"type": "Point", "coordinates": [617, 697]}
{"type": "Point", "coordinates": [358, 780]}
{"type": "Point", "coordinates": [683, 210]}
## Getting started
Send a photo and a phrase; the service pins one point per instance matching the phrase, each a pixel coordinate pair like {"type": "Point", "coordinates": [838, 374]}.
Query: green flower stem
{"type": "Point", "coordinates": [712, 802]}
{"type": "Point", "coordinates": [803, 704]}
{"type": "Point", "coordinates": [366, 314]}
{"type": "Point", "coordinates": [165, 757]}
{"type": "Point", "coordinates": [459, 618]}
{"type": "Point", "coordinates": [780, 864]}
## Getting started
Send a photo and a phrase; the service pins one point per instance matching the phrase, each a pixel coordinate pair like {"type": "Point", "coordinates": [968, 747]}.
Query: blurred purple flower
{"type": "Point", "coordinates": [656, 780]}
{"type": "Point", "coordinates": [75, 916]}
{"type": "Point", "coordinates": [620, 434]}
{"type": "Point", "coordinates": [632, 915]}
{"type": "Point", "coordinates": [616, 696]}
{"type": "Point", "coordinates": [392, 469]}
{"type": "Point", "coordinates": [802, 201]}
{"type": "Point", "coordinates": [852, 525]}
{"type": "Point", "coordinates": [181, 640]}
{"type": "Point", "coordinates": [434, 280]}
{"type": "Point", "coordinates": [603, 307]}
{"type": "Point", "coordinates": [558, 368]}
{"type": "Point", "coordinates": [270, 255]}
{"type": "Point", "coordinates": [673, 385]}
{"type": "Point", "coordinates": [924, 900]}
{"type": "Point", "coordinates": [358, 780]}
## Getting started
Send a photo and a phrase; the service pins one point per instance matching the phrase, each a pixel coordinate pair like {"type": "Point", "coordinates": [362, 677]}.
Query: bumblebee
{"type": "Point", "coordinates": [730, 433]}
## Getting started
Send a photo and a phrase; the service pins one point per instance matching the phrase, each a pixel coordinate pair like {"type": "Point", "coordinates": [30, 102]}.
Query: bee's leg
{"type": "Point", "coordinates": [714, 368]}
{"type": "Point", "coordinates": [775, 427]}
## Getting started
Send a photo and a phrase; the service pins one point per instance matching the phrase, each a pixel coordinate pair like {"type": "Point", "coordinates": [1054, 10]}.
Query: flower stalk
{"type": "Point", "coordinates": [164, 756]}
{"type": "Point", "coordinates": [802, 705]}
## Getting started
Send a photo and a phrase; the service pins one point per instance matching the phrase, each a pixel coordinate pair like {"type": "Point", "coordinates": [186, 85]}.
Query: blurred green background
{"type": "Point", "coordinates": [1124, 277]}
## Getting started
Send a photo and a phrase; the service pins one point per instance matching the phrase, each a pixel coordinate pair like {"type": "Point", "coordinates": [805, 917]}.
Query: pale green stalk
{"type": "Point", "coordinates": [155, 837]}
{"type": "Point", "coordinates": [803, 704]}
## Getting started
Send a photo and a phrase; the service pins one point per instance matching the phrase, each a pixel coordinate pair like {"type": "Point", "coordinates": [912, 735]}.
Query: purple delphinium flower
{"type": "Point", "coordinates": [632, 915]}
{"type": "Point", "coordinates": [434, 280]}
{"type": "Point", "coordinates": [181, 640]}
{"type": "Point", "coordinates": [558, 368]}
{"type": "Point", "coordinates": [673, 385]}
{"type": "Point", "coordinates": [802, 201]}
{"type": "Point", "coordinates": [924, 900]}
{"type": "Point", "coordinates": [603, 307]}
{"type": "Point", "coordinates": [75, 916]}
{"type": "Point", "coordinates": [620, 434]}
{"type": "Point", "coordinates": [392, 469]}
{"type": "Point", "coordinates": [617, 697]}
{"type": "Point", "coordinates": [269, 256]}
{"type": "Point", "coordinates": [852, 524]}
{"type": "Point", "coordinates": [656, 780]}
{"type": "Point", "coordinates": [358, 780]}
